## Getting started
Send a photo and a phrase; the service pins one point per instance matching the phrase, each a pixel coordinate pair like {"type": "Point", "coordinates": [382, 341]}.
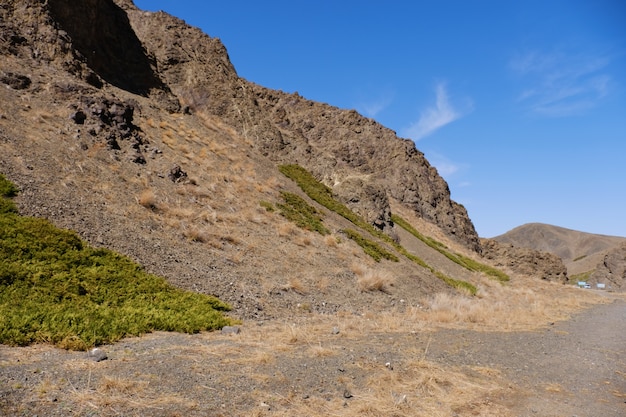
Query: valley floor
{"type": "Point", "coordinates": [343, 365]}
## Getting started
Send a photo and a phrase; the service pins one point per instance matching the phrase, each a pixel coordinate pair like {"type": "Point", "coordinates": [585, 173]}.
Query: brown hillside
{"type": "Point", "coordinates": [581, 252]}
{"type": "Point", "coordinates": [146, 156]}
{"type": "Point", "coordinates": [135, 130]}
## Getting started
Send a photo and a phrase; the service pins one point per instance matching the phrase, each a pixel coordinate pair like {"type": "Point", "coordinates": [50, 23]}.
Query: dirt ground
{"type": "Point", "coordinates": [334, 365]}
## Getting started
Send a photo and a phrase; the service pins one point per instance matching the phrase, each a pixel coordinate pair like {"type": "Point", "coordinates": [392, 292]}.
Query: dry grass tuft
{"type": "Point", "coordinates": [331, 241]}
{"type": "Point", "coordinates": [372, 280]}
{"type": "Point", "coordinates": [287, 229]}
{"type": "Point", "coordinates": [148, 199]}
{"type": "Point", "coordinates": [296, 285]}
{"type": "Point", "coordinates": [197, 235]}
{"type": "Point", "coordinates": [322, 284]}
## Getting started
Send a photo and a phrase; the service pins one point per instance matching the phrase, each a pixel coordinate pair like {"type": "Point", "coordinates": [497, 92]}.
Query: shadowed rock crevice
{"type": "Point", "coordinates": [101, 32]}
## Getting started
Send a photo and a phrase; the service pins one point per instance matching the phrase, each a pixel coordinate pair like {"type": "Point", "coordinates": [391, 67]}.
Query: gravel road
{"type": "Point", "coordinates": [573, 368]}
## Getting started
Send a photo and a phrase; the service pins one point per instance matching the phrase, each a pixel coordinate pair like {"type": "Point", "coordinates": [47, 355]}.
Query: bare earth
{"type": "Point", "coordinates": [333, 365]}
{"type": "Point", "coordinates": [573, 368]}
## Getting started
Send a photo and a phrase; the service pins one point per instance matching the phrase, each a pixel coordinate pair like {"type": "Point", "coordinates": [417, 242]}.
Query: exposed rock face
{"type": "Point", "coordinates": [612, 270]}
{"type": "Point", "coordinates": [580, 251]}
{"type": "Point", "coordinates": [101, 33]}
{"type": "Point", "coordinates": [367, 199]}
{"type": "Point", "coordinates": [335, 145]}
{"type": "Point", "coordinates": [103, 42]}
{"type": "Point", "coordinates": [91, 39]}
{"type": "Point", "coordinates": [525, 261]}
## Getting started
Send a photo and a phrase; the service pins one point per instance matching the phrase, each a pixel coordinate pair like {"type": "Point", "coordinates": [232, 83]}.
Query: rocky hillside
{"type": "Point", "coordinates": [347, 151]}
{"type": "Point", "coordinates": [135, 130]}
{"type": "Point", "coordinates": [612, 270]}
{"type": "Point", "coordinates": [583, 253]}
{"type": "Point", "coordinates": [525, 261]}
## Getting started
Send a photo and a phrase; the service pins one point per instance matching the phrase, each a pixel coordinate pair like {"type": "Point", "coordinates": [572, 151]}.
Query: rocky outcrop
{"type": "Point", "coordinates": [90, 39]}
{"type": "Point", "coordinates": [335, 145]}
{"type": "Point", "coordinates": [106, 42]}
{"type": "Point", "coordinates": [525, 261]}
{"type": "Point", "coordinates": [612, 270]}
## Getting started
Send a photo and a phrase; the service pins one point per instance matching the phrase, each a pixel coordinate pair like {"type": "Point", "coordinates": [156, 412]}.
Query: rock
{"type": "Point", "coordinates": [612, 270]}
{"type": "Point", "coordinates": [97, 355]}
{"type": "Point", "coordinates": [366, 198]}
{"type": "Point", "coordinates": [15, 81]}
{"type": "Point", "coordinates": [335, 330]}
{"type": "Point", "coordinates": [525, 261]}
{"type": "Point", "coordinates": [176, 174]}
{"type": "Point", "coordinates": [78, 117]}
{"type": "Point", "coordinates": [231, 330]}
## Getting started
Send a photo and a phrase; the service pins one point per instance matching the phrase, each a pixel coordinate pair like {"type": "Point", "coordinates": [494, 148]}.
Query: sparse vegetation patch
{"type": "Point", "coordinates": [54, 288]}
{"type": "Point", "coordinates": [370, 247]}
{"type": "Point", "coordinates": [296, 209]}
{"type": "Point", "coordinates": [323, 195]}
{"type": "Point", "coordinates": [583, 276]}
{"type": "Point", "coordinates": [457, 258]}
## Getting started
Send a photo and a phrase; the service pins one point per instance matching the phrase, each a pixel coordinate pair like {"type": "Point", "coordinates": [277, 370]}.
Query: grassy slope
{"type": "Point", "coordinates": [55, 288]}
{"type": "Point", "coordinates": [323, 195]}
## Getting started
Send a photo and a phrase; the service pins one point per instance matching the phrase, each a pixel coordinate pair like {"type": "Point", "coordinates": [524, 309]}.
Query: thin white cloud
{"type": "Point", "coordinates": [371, 108]}
{"type": "Point", "coordinates": [560, 84]}
{"type": "Point", "coordinates": [435, 116]}
{"type": "Point", "coordinates": [445, 167]}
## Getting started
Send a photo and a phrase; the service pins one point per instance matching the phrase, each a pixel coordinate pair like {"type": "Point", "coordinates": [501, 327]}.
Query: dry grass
{"type": "Point", "coordinates": [524, 306]}
{"type": "Point", "coordinates": [287, 229]}
{"type": "Point", "coordinates": [375, 280]}
{"type": "Point", "coordinates": [553, 387]}
{"type": "Point", "coordinates": [296, 285]}
{"type": "Point", "coordinates": [410, 386]}
{"type": "Point", "coordinates": [197, 235]}
{"type": "Point", "coordinates": [322, 284]}
{"type": "Point", "coordinates": [148, 199]}
{"type": "Point", "coordinates": [331, 241]}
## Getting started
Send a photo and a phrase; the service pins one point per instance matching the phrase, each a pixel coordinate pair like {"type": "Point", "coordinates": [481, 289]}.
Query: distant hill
{"type": "Point", "coordinates": [580, 251]}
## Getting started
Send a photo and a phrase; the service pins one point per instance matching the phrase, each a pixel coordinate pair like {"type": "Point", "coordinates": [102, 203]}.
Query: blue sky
{"type": "Point", "coordinates": [520, 105]}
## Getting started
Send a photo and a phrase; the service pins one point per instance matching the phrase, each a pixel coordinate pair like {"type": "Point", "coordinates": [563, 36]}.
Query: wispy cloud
{"type": "Point", "coordinates": [445, 167]}
{"type": "Point", "coordinates": [559, 84]}
{"type": "Point", "coordinates": [435, 116]}
{"type": "Point", "coordinates": [371, 108]}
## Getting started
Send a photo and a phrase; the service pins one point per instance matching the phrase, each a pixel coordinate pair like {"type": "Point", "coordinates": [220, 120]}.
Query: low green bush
{"type": "Point", "coordinates": [462, 260]}
{"type": "Point", "coordinates": [55, 288]}
{"type": "Point", "coordinates": [370, 247]}
{"type": "Point", "coordinates": [304, 215]}
{"type": "Point", "coordinates": [267, 205]}
{"type": "Point", "coordinates": [324, 196]}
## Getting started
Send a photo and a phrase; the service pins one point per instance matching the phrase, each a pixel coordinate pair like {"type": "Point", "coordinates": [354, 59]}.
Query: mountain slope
{"type": "Point", "coordinates": [134, 157]}
{"type": "Point", "coordinates": [342, 148]}
{"type": "Point", "coordinates": [581, 252]}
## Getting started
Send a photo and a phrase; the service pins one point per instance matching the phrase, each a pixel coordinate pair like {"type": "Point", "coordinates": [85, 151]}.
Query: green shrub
{"type": "Point", "coordinates": [324, 196]}
{"type": "Point", "coordinates": [457, 283]}
{"type": "Point", "coordinates": [370, 247]}
{"type": "Point", "coordinates": [296, 209]}
{"type": "Point", "coordinates": [54, 288]}
{"type": "Point", "coordinates": [407, 226]}
{"type": "Point", "coordinates": [583, 276]}
{"type": "Point", "coordinates": [7, 188]}
{"type": "Point", "coordinates": [464, 261]}
{"type": "Point", "coordinates": [267, 205]}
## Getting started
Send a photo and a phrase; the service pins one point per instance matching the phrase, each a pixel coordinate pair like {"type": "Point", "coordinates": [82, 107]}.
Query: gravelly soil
{"type": "Point", "coordinates": [572, 368]}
